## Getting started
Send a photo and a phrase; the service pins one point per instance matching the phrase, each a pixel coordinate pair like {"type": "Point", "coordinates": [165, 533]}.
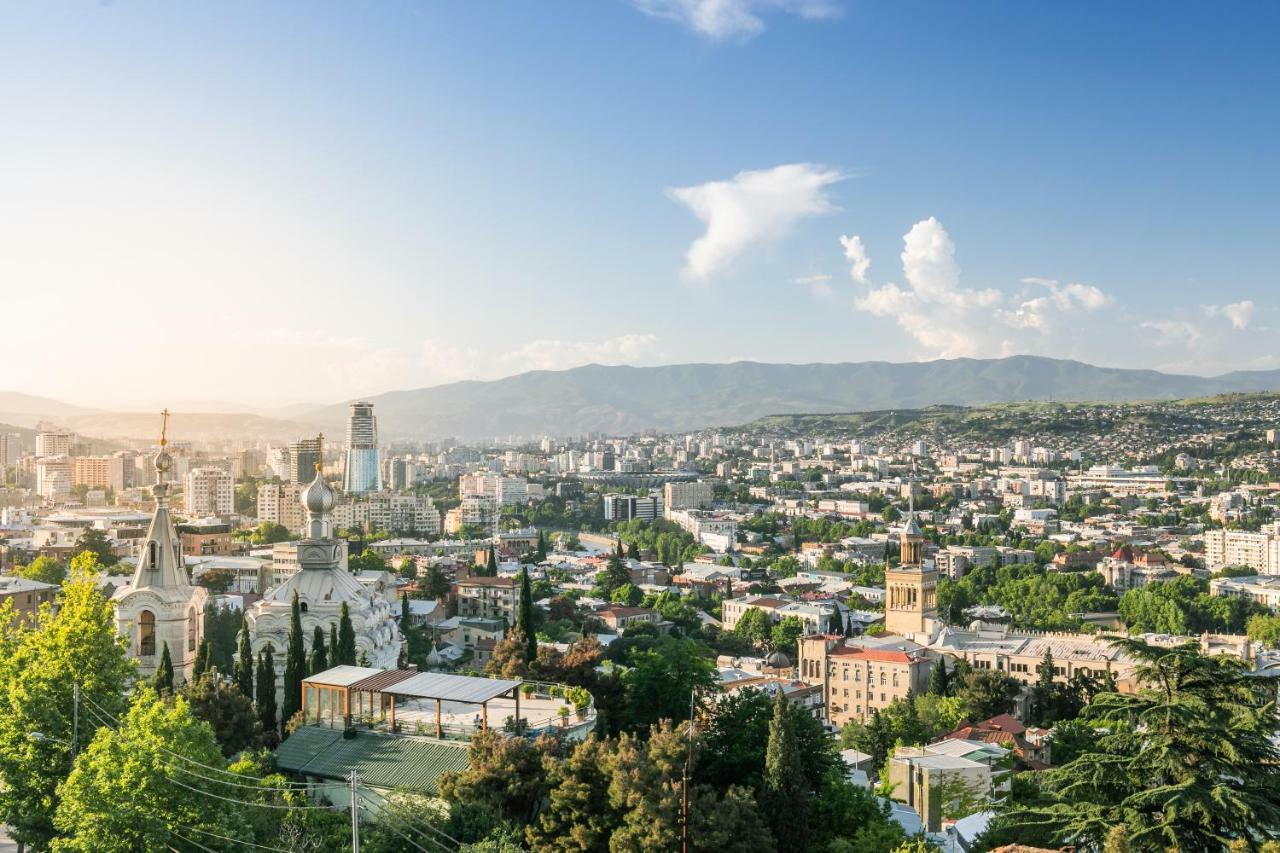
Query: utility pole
{"type": "Point", "coordinates": [75, 719]}
{"type": "Point", "coordinates": [355, 812]}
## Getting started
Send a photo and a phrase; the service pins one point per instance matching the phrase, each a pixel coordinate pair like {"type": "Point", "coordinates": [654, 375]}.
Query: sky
{"type": "Point", "coordinates": [281, 203]}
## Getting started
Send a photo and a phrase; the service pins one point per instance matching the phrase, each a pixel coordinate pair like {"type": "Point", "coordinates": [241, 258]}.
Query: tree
{"type": "Point", "coordinates": [939, 679]}
{"type": "Point", "coordinates": [295, 665]}
{"type": "Point", "coordinates": [1044, 695]}
{"type": "Point", "coordinates": [615, 574]}
{"type": "Point", "coordinates": [266, 692]}
{"type": "Point", "coordinates": [96, 541]}
{"type": "Point", "coordinates": [786, 634]}
{"type": "Point", "coordinates": [1264, 629]}
{"type": "Point", "coordinates": [662, 679]}
{"type": "Point", "coordinates": [242, 673]}
{"type": "Point", "coordinates": [42, 569]}
{"type": "Point", "coordinates": [735, 737]}
{"type": "Point", "coordinates": [162, 680]}
{"type": "Point", "coordinates": [345, 650]}
{"type": "Point", "coordinates": [542, 545]}
{"type": "Point", "coordinates": [578, 815]}
{"type": "Point", "coordinates": [753, 625]}
{"type": "Point", "coordinates": [988, 693]}
{"type": "Point", "coordinates": [122, 795]}
{"type": "Point", "coordinates": [524, 623]}
{"type": "Point", "coordinates": [785, 794]}
{"type": "Point", "coordinates": [1189, 762]}
{"type": "Point", "coordinates": [318, 660]}
{"type": "Point", "coordinates": [633, 552]}
{"type": "Point", "coordinates": [491, 566]}
{"type": "Point", "coordinates": [505, 774]}
{"type": "Point", "coordinates": [201, 665]}
{"type": "Point", "coordinates": [217, 581]}
{"type": "Point", "coordinates": [436, 584]}
{"type": "Point", "coordinates": [269, 533]}
{"type": "Point", "coordinates": [39, 667]}
{"type": "Point", "coordinates": [229, 713]}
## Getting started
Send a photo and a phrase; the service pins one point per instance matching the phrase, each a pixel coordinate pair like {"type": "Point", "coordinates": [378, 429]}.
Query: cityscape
{"type": "Point", "coordinates": [482, 428]}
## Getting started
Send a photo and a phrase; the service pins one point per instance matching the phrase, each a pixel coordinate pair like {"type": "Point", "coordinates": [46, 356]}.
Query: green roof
{"type": "Point", "coordinates": [382, 760]}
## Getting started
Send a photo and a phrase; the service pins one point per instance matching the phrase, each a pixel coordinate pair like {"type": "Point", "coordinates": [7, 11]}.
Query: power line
{"type": "Point", "coordinates": [232, 840]}
{"type": "Point", "coordinates": [409, 822]}
{"type": "Point", "coordinates": [390, 818]}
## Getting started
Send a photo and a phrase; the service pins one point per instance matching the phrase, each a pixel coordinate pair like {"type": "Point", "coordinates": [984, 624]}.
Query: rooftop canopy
{"type": "Point", "coordinates": [451, 688]}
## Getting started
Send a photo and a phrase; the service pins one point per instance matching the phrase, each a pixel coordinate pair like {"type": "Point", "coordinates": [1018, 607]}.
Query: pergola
{"type": "Point", "coordinates": [344, 691]}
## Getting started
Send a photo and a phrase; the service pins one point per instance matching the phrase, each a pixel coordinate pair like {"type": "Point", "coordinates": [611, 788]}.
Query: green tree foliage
{"type": "Point", "coordinates": [39, 666]}
{"type": "Point", "coordinates": [242, 673]}
{"type": "Point", "coordinates": [217, 581]}
{"type": "Point", "coordinates": [318, 659]}
{"type": "Point", "coordinates": [615, 575]}
{"type": "Point", "coordinates": [1184, 606]}
{"type": "Point", "coordinates": [367, 561]}
{"type": "Point", "coordinates": [735, 737]}
{"type": "Point", "coordinates": [162, 680]}
{"type": "Point", "coordinates": [662, 678]}
{"type": "Point", "coordinates": [1037, 599]}
{"type": "Point", "coordinates": [628, 594]}
{"type": "Point", "coordinates": [1188, 763]}
{"type": "Point", "coordinates": [987, 693]}
{"type": "Point", "coordinates": [344, 651]}
{"type": "Point", "coordinates": [785, 793]}
{"type": "Point", "coordinates": [269, 533]}
{"type": "Point", "coordinates": [42, 569]}
{"type": "Point", "coordinates": [940, 678]}
{"type": "Point", "coordinates": [753, 626]}
{"type": "Point", "coordinates": [265, 700]}
{"type": "Point", "coordinates": [524, 622]}
{"type": "Point", "coordinates": [122, 795]}
{"type": "Point", "coordinates": [96, 542]}
{"type": "Point", "coordinates": [786, 634]}
{"type": "Point", "coordinates": [229, 713]}
{"type": "Point", "coordinates": [295, 665]}
{"type": "Point", "coordinates": [222, 626]}
{"type": "Point", "coordinates": [435, 585]}
{"type": "Point", "coordinates": [201, 665]}
{"type": "Point", "coordinates": [1265, 629]}
{"type": "Point", "coordinates": [505, 775]}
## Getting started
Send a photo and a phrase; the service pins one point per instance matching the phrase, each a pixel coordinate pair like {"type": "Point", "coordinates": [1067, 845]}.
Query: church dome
{"type": "Point", "coordinates": [162, 461]}
{"type": "Point", "coordinates": [777, 660]}
{"type": "Point", "coordinates": [318, 498]}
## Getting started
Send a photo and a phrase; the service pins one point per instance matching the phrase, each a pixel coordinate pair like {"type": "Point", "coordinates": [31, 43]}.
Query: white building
{"type": "Point", "coordinates": [210, 491]}
{"type": "Point", "coordinates": [159, 607]}
{"type": "Point", "coordinates": [697, 494]}
{"type": "Point", "coordinates": [1257, 551]}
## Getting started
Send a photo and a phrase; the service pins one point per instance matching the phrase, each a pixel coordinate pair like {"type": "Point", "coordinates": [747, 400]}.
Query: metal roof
{"type": "Point", "coordinates": [380, 680]}
{"type": "Point", "coordinates": [341, 675]}
{"type": "Point", "coordinates": [383, 761]}
{"type": "Point", "coordinates": [452, 688]}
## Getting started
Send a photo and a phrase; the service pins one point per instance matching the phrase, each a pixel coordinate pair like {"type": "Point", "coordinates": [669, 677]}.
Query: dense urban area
{"type": "Point", "coordinates": [950, 628]}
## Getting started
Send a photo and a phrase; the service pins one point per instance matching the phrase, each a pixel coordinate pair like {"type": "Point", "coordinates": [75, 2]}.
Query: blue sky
{"type": "Point", "coordinates": [293, 202]}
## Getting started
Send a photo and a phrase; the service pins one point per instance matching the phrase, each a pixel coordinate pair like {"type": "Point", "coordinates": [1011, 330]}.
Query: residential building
{"type": "Point", "coordinates": [696, 494]}
{"type": "Point", "coordinates": [98, 472]}
{"type": "Point", "coordinates": [210, 491]}
{"type": "Point", "coordinates": [631, 507]}
{"type": "Point", "coordinates": [53, 443]}
{"type": "Point", "coordinates": [278, 503]}
{"type": "Point", "coordinates": [301, 460]}
{"type": "Point", "coordinates": [27, 596]}
{"type": "Point", "coordinates": [489, 598]}
{"type": "Point", "coordinates": [927, 777]}
{"type": "Point", "coordinates": [1258, 551]}
{"type": "Point", "coordinates": [858, 678]}
{"type": "Point", "coordinates": [362, 471]}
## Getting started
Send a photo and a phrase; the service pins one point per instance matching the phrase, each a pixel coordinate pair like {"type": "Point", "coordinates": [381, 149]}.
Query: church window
{"type": "Point", "coordinates": [151, 554]}
{"type": "Point", "coordinates": [146, 634]}
{"type": "Point", "coordinates": [191, 630]}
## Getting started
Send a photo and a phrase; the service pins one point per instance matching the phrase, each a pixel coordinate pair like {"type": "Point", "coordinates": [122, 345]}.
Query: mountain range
{"type": "Point", "coordinates": [622, 400]}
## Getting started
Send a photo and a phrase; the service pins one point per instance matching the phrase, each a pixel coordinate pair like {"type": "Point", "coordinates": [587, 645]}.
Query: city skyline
{"type": "Point", "coordinates": [904, 183]}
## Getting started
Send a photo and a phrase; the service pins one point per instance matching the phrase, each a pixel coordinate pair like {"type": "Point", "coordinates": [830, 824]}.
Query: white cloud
{"type": "Point", "coordinates": [856, 254]}
{"type": "Point", "coordinates": [1169, 333]}
{"type": "Point", "coordinates": [1240, 314]}
{"type": "Point", "coordinates": [819, 286]}
{"type": "Point", "coordinates": [725, 19]}
{"type": "Point", "coordinates": [553, 354]}
{"type": "Point", "coordinates": [753, 207]}
{"type": "Point", "coordinates": [949, 320]}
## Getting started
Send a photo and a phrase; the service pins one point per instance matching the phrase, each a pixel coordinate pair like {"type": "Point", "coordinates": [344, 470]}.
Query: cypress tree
{"type": "Point", "coordinates": [266, 698]}
{"type": "Point", "coordinates": [163, 679]}
{"type": "Point", "coordinates": [319, 660]}
{"type": "Point", "coordinates": [333, 642]}
{"type": "Point", "coordinates": [525, 620]}
{"type": "Point", "coordinates": [633, 551]}
{"type": "Point", "coordinates": [243, 672]}
{"type": "Point", "coordinates": [202, 661]}
{"type": "Point", "coordinates": [542, 545]}
{"type": "Point", "coordinates": [491, 569]}
{"type": "Point", "coordinates": [404, 613]}
{"type": "Point", "coordinates": [295, 665]}
{"type": "Point", "coordinates": [344, 651]}
{"type": "Point", "coordinates": [940, 679]}
{"type": "Point", "coordinates": [786, 791]}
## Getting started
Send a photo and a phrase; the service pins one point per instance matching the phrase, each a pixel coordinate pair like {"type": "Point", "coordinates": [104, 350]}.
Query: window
{"type": "Point", "coordinates": [151, 554]}
{"type": "Point", "coordinates": [146, 634]}
{"type": "Point", "coordinates": [191, 630]}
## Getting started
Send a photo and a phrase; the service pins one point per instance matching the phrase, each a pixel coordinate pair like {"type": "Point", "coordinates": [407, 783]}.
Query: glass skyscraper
{"type": "Point", "coordinates": [363, 470]}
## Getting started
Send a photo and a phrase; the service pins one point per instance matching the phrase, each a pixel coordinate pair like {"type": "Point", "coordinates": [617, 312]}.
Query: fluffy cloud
{"type": "Point", "coordinates": [856, 254]}
{"type": "Point", "coordinates": [1238, 313]}
{"type": "Point", "coordinates": [752, 207]}
{"type": "Point", "coordinates": [949, 320]}
{"type": "Point", "coordinates": [725, 19]}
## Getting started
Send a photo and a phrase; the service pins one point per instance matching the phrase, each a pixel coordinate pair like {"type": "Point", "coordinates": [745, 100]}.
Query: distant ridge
{"type": "Point", "coordinates": [622, 400]}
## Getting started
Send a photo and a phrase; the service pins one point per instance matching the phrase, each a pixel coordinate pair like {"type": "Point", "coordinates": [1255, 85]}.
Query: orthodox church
{"type": "Point", "coordinates": [323, 585]}
{"type": "Point", "coordinates": [160, 606]}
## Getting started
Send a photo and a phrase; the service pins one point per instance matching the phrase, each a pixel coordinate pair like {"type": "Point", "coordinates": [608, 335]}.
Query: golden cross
{"type": "Point", "coordinates": [320, 452]}
{"type": "Point", "coordinates": [164, 427]}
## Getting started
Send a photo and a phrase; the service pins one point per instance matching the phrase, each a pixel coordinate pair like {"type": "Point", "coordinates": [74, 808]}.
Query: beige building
{"type": "Point", "coordinates": [27, 596]}
{"type": "Point", "coordinates": [278, 503]}
{"type": "Point", "coordinates": [857, 679]}
{"type": "Point", "coordinates": [1258, 551]}
{"type": "Point", "coordinates": [692, 495]}
{"type": "Point", "coordinates": [911, 589]}
{"type": "Point", "coordinates": [947, 779]}
{"type": "Point", "coordinates": [98, 472]}
{"type": "Point", "coordinates": [209, 491]}
{"type": "Point", "coordinates": [489, 598]}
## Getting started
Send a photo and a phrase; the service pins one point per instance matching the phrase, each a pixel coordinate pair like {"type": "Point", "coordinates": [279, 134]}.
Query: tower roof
{"type": "Point", "coordinates": [159, 561]}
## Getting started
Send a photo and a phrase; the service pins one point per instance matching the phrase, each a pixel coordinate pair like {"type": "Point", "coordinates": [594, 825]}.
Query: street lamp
{"type": "Point", "coordinates": [41, 737]}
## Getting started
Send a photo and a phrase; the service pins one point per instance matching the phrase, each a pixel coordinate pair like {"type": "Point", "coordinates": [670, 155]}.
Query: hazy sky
{"type": "Point", "coordinates": [284, 202]}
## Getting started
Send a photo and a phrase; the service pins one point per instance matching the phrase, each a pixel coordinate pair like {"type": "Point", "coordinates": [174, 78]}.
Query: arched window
{"type": "Point", "coordinates": [146, 634]}
{"type": "Point", "coordinates": [151, 554]}
{"type": "Point", "coordinates": [882, 678]}
{"type": "Point", "coordinates": [191, 630]}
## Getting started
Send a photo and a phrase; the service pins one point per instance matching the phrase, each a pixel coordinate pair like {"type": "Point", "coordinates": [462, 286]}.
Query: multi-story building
{"type": "Point", "coordinates": [1263, 590]}
{"type": "Point", "coordinates": [98, 472]}
{"type": "Point", "coordinates": [27, 596]}
{"type": "Point", "coordinates": [412, 514]}
{"type": "Point", "coordinates": [209, 491]}
{"type": "Point", "coordinates": [696, 494]}
{"type": "Point", "coordinates": [10, 448]}
{"type": "Point", "coordinates": [489, 598]}
{"type": "Point", "coordinates": [477, 510]}
{"type": "Point", "coordinates": [278, 503]}
{"type": "Point", "coordinates": [1258, 551]}
{"type": "Point", "coordinates": [362, 471]}
{"type": "Point", "coordinates": [301, 461]}
{"type": "Point", "coordinates": [53, 477]}
{"type": "Point", "coordinates": [54, 443]}
{"type": "Point", "coordinates": [630, 507]}
{"type": "Point", "coordinates": [858, 679]}
{"type": "Point", "coordinates": [507, 491]}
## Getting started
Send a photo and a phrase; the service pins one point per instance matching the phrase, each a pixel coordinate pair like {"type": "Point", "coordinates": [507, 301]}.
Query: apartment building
{"type": "Point", "coordinates": [488, 598]}
{"type": "Point", "coordinates": [98, 472]}
{"type": "Point", "coordinates": [278, 503]}
{"type": "Point", "coordinates": [857, 679]}
{"type": "Point", "coordinates": [630, 507]}
{"type": "Point", "coordinates": [697, 494]}
{"type": "Point", "coordinates": [1258, 551]}
{"type": "Point", "coordinates": [209, 491]}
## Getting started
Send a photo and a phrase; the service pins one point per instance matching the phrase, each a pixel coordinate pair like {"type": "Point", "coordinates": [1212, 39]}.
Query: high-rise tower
{"type": "Point", "coordinates": [911, 590]}
{"type": "Point", "coordinates": [362, 472]}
